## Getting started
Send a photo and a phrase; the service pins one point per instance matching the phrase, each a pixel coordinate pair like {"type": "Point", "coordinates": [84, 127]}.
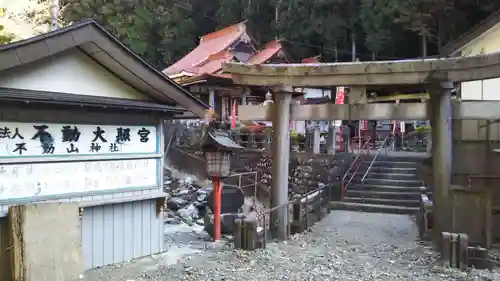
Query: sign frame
{"type": "Point", "coordinates": [156, 155]}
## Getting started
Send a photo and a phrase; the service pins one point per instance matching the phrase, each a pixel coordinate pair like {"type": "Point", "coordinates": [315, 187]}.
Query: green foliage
{"type": "Point", "coordinates": [162, 31]}
{"type": "Point", "coordinates": [5, 37]}
{"type": "Point", "coordinates": [376, 18]}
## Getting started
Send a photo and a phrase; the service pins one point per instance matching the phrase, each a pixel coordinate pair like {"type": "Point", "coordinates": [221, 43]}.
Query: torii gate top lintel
{"type": "Point", "coordinates": [402, 72]}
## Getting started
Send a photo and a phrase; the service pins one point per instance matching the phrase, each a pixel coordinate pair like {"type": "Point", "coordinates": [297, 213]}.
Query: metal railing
{"type": "Point", "coordinates": [320, 196]}
{"type": "Point", "coordinates": [353, 168]}
{"type": "Point", "coordinates": [384, 146]}
{"type": "Point", "coordinates": [255, 176]}
{"type": "Point", "coordinates": [306, 209]}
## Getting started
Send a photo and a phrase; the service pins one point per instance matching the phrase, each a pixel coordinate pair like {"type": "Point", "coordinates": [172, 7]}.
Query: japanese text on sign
{"type": "Point", "coordinates": [35, 139]}
{"type": "Point", "coordinates": [34, 180]}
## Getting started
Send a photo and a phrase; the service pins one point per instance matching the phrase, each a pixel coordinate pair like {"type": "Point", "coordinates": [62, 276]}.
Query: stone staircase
{"type": "Point", "coordinates": [391, 186]}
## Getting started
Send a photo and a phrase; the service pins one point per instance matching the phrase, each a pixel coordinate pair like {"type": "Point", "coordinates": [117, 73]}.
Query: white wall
{"type": "Point", "coordinates": [71, 72]}
{"type": "Point", "coordinates": [313, 93]}
{"type": "Point", "coordinates": [487, 43]}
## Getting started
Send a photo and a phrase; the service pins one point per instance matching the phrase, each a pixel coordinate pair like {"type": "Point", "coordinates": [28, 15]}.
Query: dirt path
{"type": "Point", "coordinates": [344, 246]}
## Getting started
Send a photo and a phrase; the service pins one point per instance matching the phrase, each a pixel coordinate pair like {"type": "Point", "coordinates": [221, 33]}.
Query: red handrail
{"type": "Point", "coordinates": [470, 177]}
{"type": "Point", "coordinates": [354, 165]}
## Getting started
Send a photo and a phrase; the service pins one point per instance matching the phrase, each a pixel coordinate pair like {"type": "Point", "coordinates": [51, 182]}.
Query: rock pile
{"type": "Point", "coordinates": [186, 201]}
{"type": "Point", "coordinates": [301, 179]}
{"type": "Point", "coordinates": [189, 201]}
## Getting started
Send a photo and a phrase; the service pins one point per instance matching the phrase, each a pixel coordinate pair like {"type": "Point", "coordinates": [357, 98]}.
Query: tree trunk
{"type": "Point", "coordinates": [374, 56]}
{"type": "Point", "coordinates": [353, 46]}
{"type": "Point", "coordinates": [424, 42]}
{"type": "Point", "coordinates": [440, 33]}
{"type": "Point", "coordinates": [336, 52]}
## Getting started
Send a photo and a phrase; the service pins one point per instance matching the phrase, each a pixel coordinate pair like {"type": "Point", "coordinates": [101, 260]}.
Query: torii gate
{"type": "Point", "coordinates": [437, 75]}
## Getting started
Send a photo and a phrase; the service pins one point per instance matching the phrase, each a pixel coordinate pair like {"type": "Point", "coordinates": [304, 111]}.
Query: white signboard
{"type": "Point", "coordinates": [402, 127]}
{"type": "Point", "coordinates": [42, 179]}
{"type": "Point", "coordinates": [46, 139]}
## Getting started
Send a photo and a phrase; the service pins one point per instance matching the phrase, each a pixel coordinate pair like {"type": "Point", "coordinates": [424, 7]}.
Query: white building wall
{"type": "Point", "coordinates": [487, 43]}
{"type": "Point", "coordinates": [71, 72]}
{"type": "Point", "coordinates": [116, 225]}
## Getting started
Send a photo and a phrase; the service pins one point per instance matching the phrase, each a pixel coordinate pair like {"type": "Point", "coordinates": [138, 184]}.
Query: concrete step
{"type": "Point", "coordinates": [393, 164]}
{"type": "Point", "coordinates": [371, 208]}
{"type": "Point", "coordinates": [392, 158]}
{"type": "Point", "coordinates": [385, 202]}
{"type": "Point", "coordinates": [407, 195]}
{"type": "Point", "coordinates": [394, 176]}
{"type": "Point", "coordinates": [395, 182]}
{"type": "Point", "coordinates": [384, 188]}
{"type": "Point", "coordinates": [397, 170]}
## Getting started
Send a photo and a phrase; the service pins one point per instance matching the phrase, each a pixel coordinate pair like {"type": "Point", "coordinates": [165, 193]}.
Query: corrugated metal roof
{"type": "Point", "coordinates": [83, 100]}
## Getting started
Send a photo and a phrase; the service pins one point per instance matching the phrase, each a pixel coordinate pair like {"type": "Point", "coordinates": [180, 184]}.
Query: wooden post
{"type": "Point", "coordinates": [331, 141]}
{"type": "Point", "coordinates": [251, 140]}
{"type": "Point", "coordinates": [217, 209]}
{"type": "Point", "coordinates": [454, 250]}
{"type": "Point", "coordinates": [268, 138]}
{"type": "Point", "coordinates": [316, 141]}
{"type": "Point", "coordinates": [317, 205]}
{"type": "Point", "coordinates": [237, 137]}
{"type": "Point", "coordinates": [44, 242]}
{"type": "Point", "coordinates": [309, 135]}
{"type": "Point", "coordinates": [5, 256]}
{"type": "Point", "coordinates": [297, 221]}
{"type": "Point", "coordinates": [237, 233]}
{"type": "Point", "coordinates": [251, 234]}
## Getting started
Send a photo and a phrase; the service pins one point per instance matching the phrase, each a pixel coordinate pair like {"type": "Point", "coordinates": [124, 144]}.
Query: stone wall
{"type": "Point", "coordinates": [306, 171]}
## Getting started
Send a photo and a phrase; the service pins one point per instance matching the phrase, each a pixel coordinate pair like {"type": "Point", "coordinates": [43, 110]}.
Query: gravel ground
{"type": "Point", "coordinates": [344, 246]}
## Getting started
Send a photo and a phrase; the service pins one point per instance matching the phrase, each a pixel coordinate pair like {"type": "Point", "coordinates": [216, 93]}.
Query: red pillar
{"type": "Point", "coordinates": [217, 208]}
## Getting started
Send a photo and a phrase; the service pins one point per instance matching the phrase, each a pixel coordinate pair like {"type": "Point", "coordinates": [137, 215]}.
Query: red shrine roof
{"type": "Point", "coordinates": [214, 50]}
{"type": "Point", "coordinates": [314, 59]}
{"type": "Point", "coordinates": [270, 50]}
{"type": "Point", "coordinates": [210, 45]}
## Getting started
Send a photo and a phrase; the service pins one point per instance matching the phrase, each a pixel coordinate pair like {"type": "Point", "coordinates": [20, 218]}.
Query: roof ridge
{"type": "Point", "coordinates": [482, 27]}
{"type": "Point", "coordinates": [223, 31]}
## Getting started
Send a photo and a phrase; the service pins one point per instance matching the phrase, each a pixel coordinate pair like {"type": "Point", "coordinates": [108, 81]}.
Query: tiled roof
{"type": "Point", "coordinates": [210, 44]}
{"type": "Point", "coordinates": [213, 64]}
{"type": "Point", "coordinates": [314, 59]}
{"type": "Point", "coordinates": [269, 51]}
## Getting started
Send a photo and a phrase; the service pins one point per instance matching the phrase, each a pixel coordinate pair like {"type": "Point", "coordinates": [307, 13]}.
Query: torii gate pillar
{"type": "Point", "coordinates": [440, 117]}
{"type": "Point", "coordinates": [281, 160]}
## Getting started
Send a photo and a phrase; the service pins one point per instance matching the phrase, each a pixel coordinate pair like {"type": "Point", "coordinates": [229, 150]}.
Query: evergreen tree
{"type": "Point", "coordinates": [376, 17]}
{"type": "Point", "coordinates": [162, 31]}
{"type": "Point", "coordinates": [158, 30]}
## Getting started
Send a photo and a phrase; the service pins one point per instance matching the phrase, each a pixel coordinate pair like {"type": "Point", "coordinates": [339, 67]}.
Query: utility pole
{"type": "Point", "coordinates": [54, 14]}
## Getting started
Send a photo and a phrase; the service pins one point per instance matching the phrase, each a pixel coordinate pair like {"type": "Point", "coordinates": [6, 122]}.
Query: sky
{"type": "Point", "coordinates": [13, 17]}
